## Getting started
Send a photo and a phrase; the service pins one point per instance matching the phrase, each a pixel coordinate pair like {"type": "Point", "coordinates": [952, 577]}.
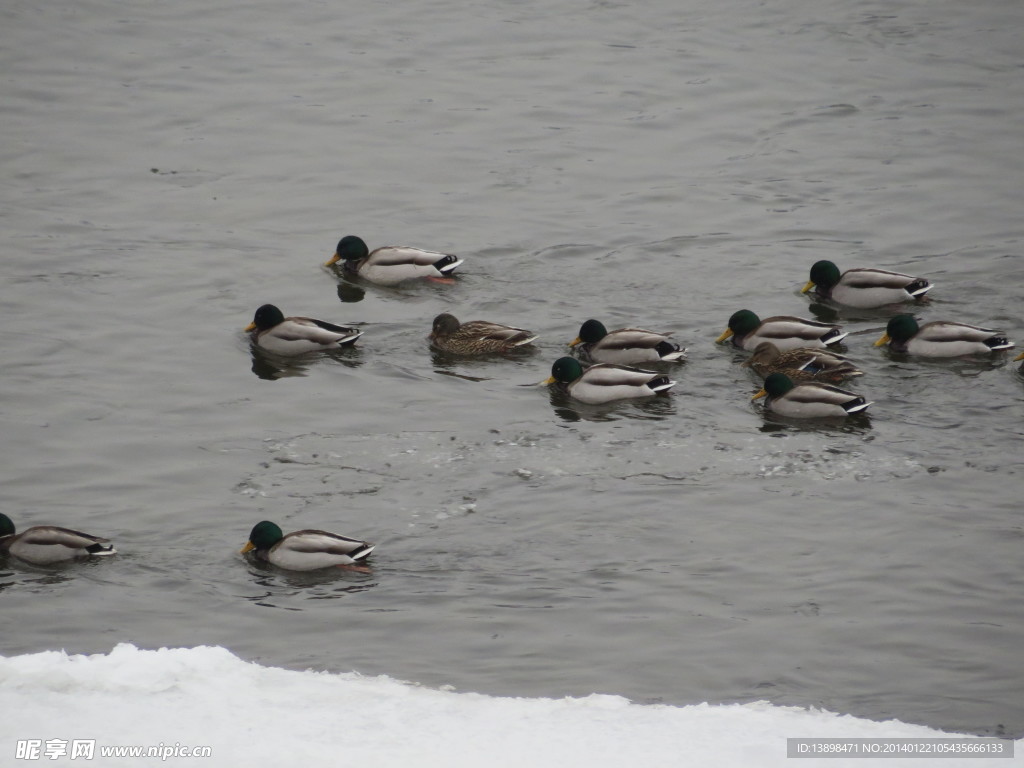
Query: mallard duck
{"type": "Point", "coordinates": [391, 264]}
{"type": "Point", "coordinates": [808, 401]}
{"type": "Point", "coordinates": [604, 382]}
{"type": "Point", "coordinates": [46, 544]}
{"type": "Point", "coordinates": [802, 364]}
{"type": "Point", "coordinates": [864, 288]}
{"type": "Point", "coordinates": [282, 335]}
{"type": "Point", "coordinates": [785, 332]}
{"type": "Point", "coordinates": [477, 337]}
{"type": "Point", "coordinates": [626, 346]}
{"type": "Point", "coordinates": [305, 550]}
{"type": "Point", "coordinates": [941, 338]}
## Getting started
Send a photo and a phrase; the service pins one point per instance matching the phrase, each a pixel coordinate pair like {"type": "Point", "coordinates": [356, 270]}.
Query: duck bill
{"type": "Point", "coordinates": [333, 260]}
{"type": "Point", "coordinates": [1019, 357]}
{"type": "Point", "coordinates": [548, 380]}
{"type": "Point", "coordinates": [575, 342]}
{"type": "Point", "coordinates": [725, 335]}
{"type": "Point", "coordinates": [759, 395]}
{"type": "Point", "coordinates": [249, 547]}
{"type": "Point", "coordinates": [806, 288]}
{"type": "Point", "coordinates": [884, 340]}
{"type": "Point", "coordinates": [250, 327]}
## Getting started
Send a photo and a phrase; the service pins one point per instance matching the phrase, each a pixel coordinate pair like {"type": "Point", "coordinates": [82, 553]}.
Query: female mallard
{"type": "Point", "coordinates": [391, 264]}
{"type": "Point", "coordinates": [802, 364]}
{"type": "Point", "coordinates": [305, 550]}
{"type": "Point", "coordinates": [605, 382]}
{"type": "Point", "coordinates": [864, 288]}
{"type": "Point", "coordinates": [785, 332]}
{"type": "Point", "coordinates": [46, 544]}
{"type": "Point", "coordinates": [808, 401]}
{"type": "Point", "coordinates": [282, 335]}
{"type": "Point", "coordinates": [626, 346]}
{"type": "Point", "coordinates": [477, 337]}
{"type": "Point", "coordinates": [940, 338]}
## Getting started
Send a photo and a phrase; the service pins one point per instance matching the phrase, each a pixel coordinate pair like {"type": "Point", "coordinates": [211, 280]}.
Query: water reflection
{"type": "Point", "coordinates": [289, 590]}
{"type": "Point", "coordinates": [967, 366]}
{"type": "Point", "coordinates": [855, 424]}
{"type": "Point", "coordinates": [445, 362]}
{"type": "Point", "coordinates": [823, 312]}
{"type": "Point", "coordinates": [40, 578]}
{"type": "Point", "coordinates": [828, 312]}
{"type": "Point", "coordinates": [655, 408]}
{"type": "Point", "coordinates": [350, 293]}
{"type": "Point", "coordinates": [266, 365]}
{"type": "Point", "coordinates": [351, 290]}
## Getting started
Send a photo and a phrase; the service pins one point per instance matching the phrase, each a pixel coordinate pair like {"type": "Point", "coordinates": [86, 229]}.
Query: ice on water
{"type": "Point", "coordinates": [252, 716]}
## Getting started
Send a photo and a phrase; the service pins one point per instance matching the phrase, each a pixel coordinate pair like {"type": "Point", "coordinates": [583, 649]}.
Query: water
{"type": "Point", "coordinates": [172, 168]}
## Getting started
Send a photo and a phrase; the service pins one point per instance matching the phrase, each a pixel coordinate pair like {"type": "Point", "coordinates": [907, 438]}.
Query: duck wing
{"type": "Point", "coordinates": [311, 541]}
{"type": "Point", "coordinates": [317, 331]}
{"type": "Point", "coordinates": [484, 329]}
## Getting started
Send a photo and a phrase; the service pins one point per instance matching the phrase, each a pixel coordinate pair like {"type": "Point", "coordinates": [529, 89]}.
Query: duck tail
{"type": "Point", "coordinates": [999, 342]}
{"type": "Point", "coordinates": [349, 340]}
{"type": "Point", "coordinates": [360, 553]}
{"type": "Point", "coordinates": [833, 337]}
{"type": "Point", "coordinates": [661, 383]}
{"type": "Point", "coordinates": [918, 287]}
{"type": "Point", "coordinates": [521, 342]}
{"type": "Point", "coordinates": [670, 352]}
{"type": "Point", "coordinates": [447, 264]}
{"type": "Point", "coordinates": [856, 405]}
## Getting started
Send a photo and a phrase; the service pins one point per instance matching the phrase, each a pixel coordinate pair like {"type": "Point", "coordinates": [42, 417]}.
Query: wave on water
{"type": "Point", "coordinates": [238, 713]}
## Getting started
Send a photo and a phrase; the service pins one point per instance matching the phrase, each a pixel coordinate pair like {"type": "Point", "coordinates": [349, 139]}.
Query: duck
{"type": "Point", "coordinates": [392, 264]}
{"type": "Point", "coordinates": [864, 288]}
{"type": "Point", "coordinates": [802, 364]}
{"type": "Point", "coordinates": [808, 400]}
{"type": "Point", "coordinates": [306, 550]}
{"type": "Point", "coordinates": [47, 544]}
{"type": "Point", "coordinates": [941, 338]}
{"type": "Point", "coordinates": [605, 382]}
{"type": "Point", "coordinates": [747, 330]}
{"type": "Point", "coordinates": [477, 337]}
{"type": "Point", "coordinates": [282, 335]}
{"type": "Point", "coordinates": [626, 346]}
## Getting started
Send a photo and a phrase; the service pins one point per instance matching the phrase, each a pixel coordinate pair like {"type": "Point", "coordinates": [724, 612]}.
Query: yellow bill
{"type": "Point", "coordinates": [760, 394]}
{"type": "Point", "coordinates": [334, 260]}
{"type": "Point", "coordinates": [806, 288]}
{"type": "Point", "coordinates": [884, 340]}
{"type": "Point", "coordinates": [575, 341]}
{"type": "Point", "coordinates": [250, 327]}
{"type": "Point", "coordinates": [249, 547]}
{"type": "Point", "coordinates": [724, 336]}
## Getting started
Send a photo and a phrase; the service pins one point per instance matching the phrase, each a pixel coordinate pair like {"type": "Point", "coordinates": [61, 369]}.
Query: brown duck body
{"type": "Point", "coordinates": [802, 364]}
{"type": "Point", "coordinates": [477, 337]}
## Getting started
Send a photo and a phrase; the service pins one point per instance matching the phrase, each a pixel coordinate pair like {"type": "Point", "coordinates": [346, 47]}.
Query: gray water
{"type": "Point", "coordinates": [169, 167]}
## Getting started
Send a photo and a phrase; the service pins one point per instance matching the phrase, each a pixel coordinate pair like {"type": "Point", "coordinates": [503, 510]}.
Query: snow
{"type": "Point", "coordinates": [252, 716]}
